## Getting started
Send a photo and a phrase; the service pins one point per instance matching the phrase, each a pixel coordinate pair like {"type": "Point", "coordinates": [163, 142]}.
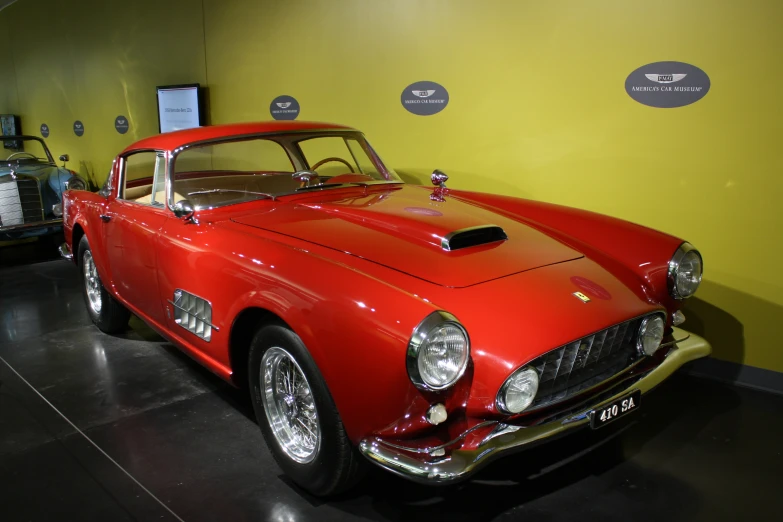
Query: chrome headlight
{"type": "Point", "coordinates": [650, 334]}
{"type": "Point", "coordinates": [57, 209]}
{"type": "Point", "coordinates": [519, 390]}
{"type": "Point", "coordinates": [438, 352]}
{"type": "Point", "coordinates": [685, 270]}
{"type": "Point", "coordinates": [75, 183]}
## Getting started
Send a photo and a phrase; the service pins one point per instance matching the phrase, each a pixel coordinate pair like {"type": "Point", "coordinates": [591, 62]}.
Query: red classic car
{"type": "Point", "coordinates": [428, 330]}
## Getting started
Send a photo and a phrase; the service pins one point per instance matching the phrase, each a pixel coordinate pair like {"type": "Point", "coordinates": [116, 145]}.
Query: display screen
{"type": "Point", "coordinates": [179, 107]}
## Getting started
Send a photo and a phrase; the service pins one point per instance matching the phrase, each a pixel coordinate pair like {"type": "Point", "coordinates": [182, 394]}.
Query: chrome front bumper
{"type": "Point", "coordinates": [450, 463]}
{"type": "Point", "coordinates": [29, 229]}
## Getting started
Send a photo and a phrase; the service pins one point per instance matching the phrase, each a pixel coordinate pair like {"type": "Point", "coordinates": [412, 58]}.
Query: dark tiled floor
{"type": "Point", "coordinates": [697, 451]}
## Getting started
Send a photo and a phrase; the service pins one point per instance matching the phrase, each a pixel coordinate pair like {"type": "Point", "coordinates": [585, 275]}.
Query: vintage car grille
{"type": "Point", "coordinates": [577, 366]}
{"type": "Point", "coordinates": [20, 202]}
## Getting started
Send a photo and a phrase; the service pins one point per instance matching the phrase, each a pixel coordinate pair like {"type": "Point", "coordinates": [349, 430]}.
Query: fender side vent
{"type": "Point", "coordinates": [193, 313]}
{"type": "Point", "coordinates": [473, 236]}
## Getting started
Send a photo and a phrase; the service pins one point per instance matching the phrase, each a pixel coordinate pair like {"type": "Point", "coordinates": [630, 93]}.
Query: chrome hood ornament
{"type": "Point", "coordinates": [439, 179]}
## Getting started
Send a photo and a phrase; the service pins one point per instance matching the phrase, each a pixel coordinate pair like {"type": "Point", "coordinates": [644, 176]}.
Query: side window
{"type": "Point", "coordinates": [144, 178]}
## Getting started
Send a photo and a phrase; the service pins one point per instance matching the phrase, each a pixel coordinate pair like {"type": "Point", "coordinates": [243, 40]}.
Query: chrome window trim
{"type": "Point", "coordinates": [264, 135]}
{"type": "Point", "coordinates": [121, 174]}
{"type": "Point", "coordinates": [674, 264]}
{"type": "Point", "coordinates": [417, 340]}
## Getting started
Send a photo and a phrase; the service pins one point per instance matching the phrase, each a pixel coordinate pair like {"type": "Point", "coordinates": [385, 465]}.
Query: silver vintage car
{"type": "Point", "coordinates": [31, 188]}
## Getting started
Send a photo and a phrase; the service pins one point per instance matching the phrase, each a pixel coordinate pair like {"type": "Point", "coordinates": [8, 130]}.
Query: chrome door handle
{"type": "Point", "coordinates": [105, 218]}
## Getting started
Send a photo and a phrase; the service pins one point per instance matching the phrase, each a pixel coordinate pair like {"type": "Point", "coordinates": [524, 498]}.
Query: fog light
{"type": "Point", "coordinates": [678, 318]}
{"type": "Point", "coordinates": [437, 414]}
{"type": "Point", "coordinates": [650, 335]}
{"type": "Point", "coordinates": [519, 390]}
{"type": "Point", "coordinates": [57, 209]}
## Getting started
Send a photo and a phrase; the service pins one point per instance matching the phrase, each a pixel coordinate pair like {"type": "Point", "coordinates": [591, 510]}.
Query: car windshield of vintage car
{"type": "Point", "coordinates": [266, 166]}
{"type": "Point", "coordinates": [24, 150]}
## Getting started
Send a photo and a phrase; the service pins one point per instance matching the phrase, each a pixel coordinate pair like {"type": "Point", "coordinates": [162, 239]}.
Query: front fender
{"type": "Point", "coordinates": [637, 255]}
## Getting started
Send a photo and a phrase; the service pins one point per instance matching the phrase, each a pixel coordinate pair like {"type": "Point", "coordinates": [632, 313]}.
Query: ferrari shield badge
{"type": "Point", "coordinates": [582, 297]}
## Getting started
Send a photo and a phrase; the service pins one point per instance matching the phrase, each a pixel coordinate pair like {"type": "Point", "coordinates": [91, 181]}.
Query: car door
{"type": "Point", "coordinates": [132, 225]}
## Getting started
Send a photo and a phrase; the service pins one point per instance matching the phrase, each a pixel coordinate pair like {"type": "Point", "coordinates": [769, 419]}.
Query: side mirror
{"type": "Point", "coordinates": [439, 178]}
{"type": "Point", "coordinates": [65, 158]}
{"type": "Point", "coordinates": [185, 211]}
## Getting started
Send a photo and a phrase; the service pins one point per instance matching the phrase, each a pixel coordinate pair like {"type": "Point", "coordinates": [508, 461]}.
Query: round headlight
{"type": "Point", "coordinates": [76, 183]}
{"type": "Point", "coordinates": [685, 271]}
{"type": "Point", "coordinates": [519, 390]}
{"type": "Point", "coordinates": [650, 334]}
{"type": "Point", "coordinates": [438, 352]}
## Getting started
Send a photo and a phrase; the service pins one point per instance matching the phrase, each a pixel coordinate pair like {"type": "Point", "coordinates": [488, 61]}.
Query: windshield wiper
{"type": "Point", "coordinates": [350, 184]}
{"type": "Point", "coordinates": [223, 191]}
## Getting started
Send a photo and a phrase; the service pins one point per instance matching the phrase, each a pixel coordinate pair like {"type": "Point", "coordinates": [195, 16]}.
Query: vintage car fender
{"type": "Point", "coordinates": [637, 255]}
{"type": "Point", "coordinates": [368, 383]}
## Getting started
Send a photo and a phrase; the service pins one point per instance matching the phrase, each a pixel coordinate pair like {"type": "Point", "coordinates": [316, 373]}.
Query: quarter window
{"type": "Point", "coordinates": [144, 179]}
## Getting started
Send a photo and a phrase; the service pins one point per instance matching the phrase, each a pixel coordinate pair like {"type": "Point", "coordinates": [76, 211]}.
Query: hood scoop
{"type": "Point", "coordinates": [473, 236]}
{"type": "Point", "coordinates": [452, 243]}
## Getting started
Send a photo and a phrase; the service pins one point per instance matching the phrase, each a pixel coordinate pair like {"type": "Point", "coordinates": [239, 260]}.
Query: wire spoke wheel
{"type": "Point", "coordinates": [92, 283]}
{"type": "Point", "coordinates": [289, 405]}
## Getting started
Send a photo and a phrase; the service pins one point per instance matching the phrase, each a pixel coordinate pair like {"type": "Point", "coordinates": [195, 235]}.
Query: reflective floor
{"type": "Point", "coordinates": [150, 435]}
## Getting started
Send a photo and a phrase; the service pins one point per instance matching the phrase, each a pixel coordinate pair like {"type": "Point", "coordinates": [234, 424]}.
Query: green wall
{"type": "Point", "coordinates": [538, 107]}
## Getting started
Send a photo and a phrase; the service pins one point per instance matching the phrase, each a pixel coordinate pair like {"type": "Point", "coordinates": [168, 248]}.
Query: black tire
{"type": "Point", "coordinates": [112, 317]}
{"type": "Point", "coordinates": [337, 465]}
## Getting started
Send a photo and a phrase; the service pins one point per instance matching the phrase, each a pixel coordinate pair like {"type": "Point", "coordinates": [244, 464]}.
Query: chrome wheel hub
{"type": "Point", "coordinates": [92, 283]}
{"type": "Point", "coordinates": [289, 405]}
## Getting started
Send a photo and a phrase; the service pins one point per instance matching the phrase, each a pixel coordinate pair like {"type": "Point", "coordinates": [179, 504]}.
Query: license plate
{"type": "Point", "coordinates": [614, 410]}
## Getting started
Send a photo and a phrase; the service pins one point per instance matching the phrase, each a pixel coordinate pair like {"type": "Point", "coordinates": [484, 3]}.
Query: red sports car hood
{"type": "Point", "coordinates": [403, 229]}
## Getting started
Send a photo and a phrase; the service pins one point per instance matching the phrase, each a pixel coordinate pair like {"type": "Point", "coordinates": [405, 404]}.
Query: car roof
{"type": "Point", "coordinates": [173, 140]}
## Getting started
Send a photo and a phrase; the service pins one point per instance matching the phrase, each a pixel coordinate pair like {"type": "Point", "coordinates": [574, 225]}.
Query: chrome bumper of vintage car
{"type": "Point", "coordinates": [450, 463]}
{"type": "Point", "coordinates": [65, 252]}
{"type": "Point", "coordinates": [32, 225]}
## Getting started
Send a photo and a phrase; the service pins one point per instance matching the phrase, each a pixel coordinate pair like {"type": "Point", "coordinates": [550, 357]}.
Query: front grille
{"type": "Point", "coordinates": [577, 366]}
{"type": "Point", "coordinates": [30, 199]}
{"type": "Point", "coordinates": [20, 202]}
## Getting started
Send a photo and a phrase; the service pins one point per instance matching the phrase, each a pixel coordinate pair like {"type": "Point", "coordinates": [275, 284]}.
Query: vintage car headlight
{"type": "Point", "coordinates": [650, 334]}
{"type": "Point", "coordinates": [57, 209]}
{"type": "Point", "coordinates": [685, 270]}
{"type": "Point", "coordinates": [519, 390]}
{"type": "Point", "coordinates": [438, 352]}
{"type": "Point", "coordinates": [75, 183]}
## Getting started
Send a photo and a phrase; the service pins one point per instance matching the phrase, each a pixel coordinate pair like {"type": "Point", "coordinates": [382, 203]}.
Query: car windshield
{"type": "Point", "coordinates": [24, 149]}
{"type": "Point", "coordinates": [267, 166]}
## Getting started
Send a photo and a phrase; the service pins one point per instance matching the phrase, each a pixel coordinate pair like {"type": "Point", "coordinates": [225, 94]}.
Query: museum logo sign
{"type": "Point", "coordinates": [424, 98]}
{"type": "Point", "coordinates": [78, 128]}
{"type": "Point", "coordinates": [284, 108]}
{"type": "Point", "coordinates": [44, 130]}
{"type": "Point", "coordinates": [121, 124]}
{"type": "Point", "coordinates": [667, 84]}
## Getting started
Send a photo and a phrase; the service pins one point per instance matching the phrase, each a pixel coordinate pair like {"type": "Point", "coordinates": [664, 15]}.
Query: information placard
{"type": "Point", "coordinates": [179, 107]}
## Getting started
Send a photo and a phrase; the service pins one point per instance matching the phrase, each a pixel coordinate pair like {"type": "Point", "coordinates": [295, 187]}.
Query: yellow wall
{"type": "Point", "coordinates": [538, 107]}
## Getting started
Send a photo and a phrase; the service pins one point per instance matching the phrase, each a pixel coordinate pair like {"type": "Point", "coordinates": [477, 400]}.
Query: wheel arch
{"type": "Point", "coordinates": [243, 329]}
{"type": "Point", "coordinates": [76, 237]}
